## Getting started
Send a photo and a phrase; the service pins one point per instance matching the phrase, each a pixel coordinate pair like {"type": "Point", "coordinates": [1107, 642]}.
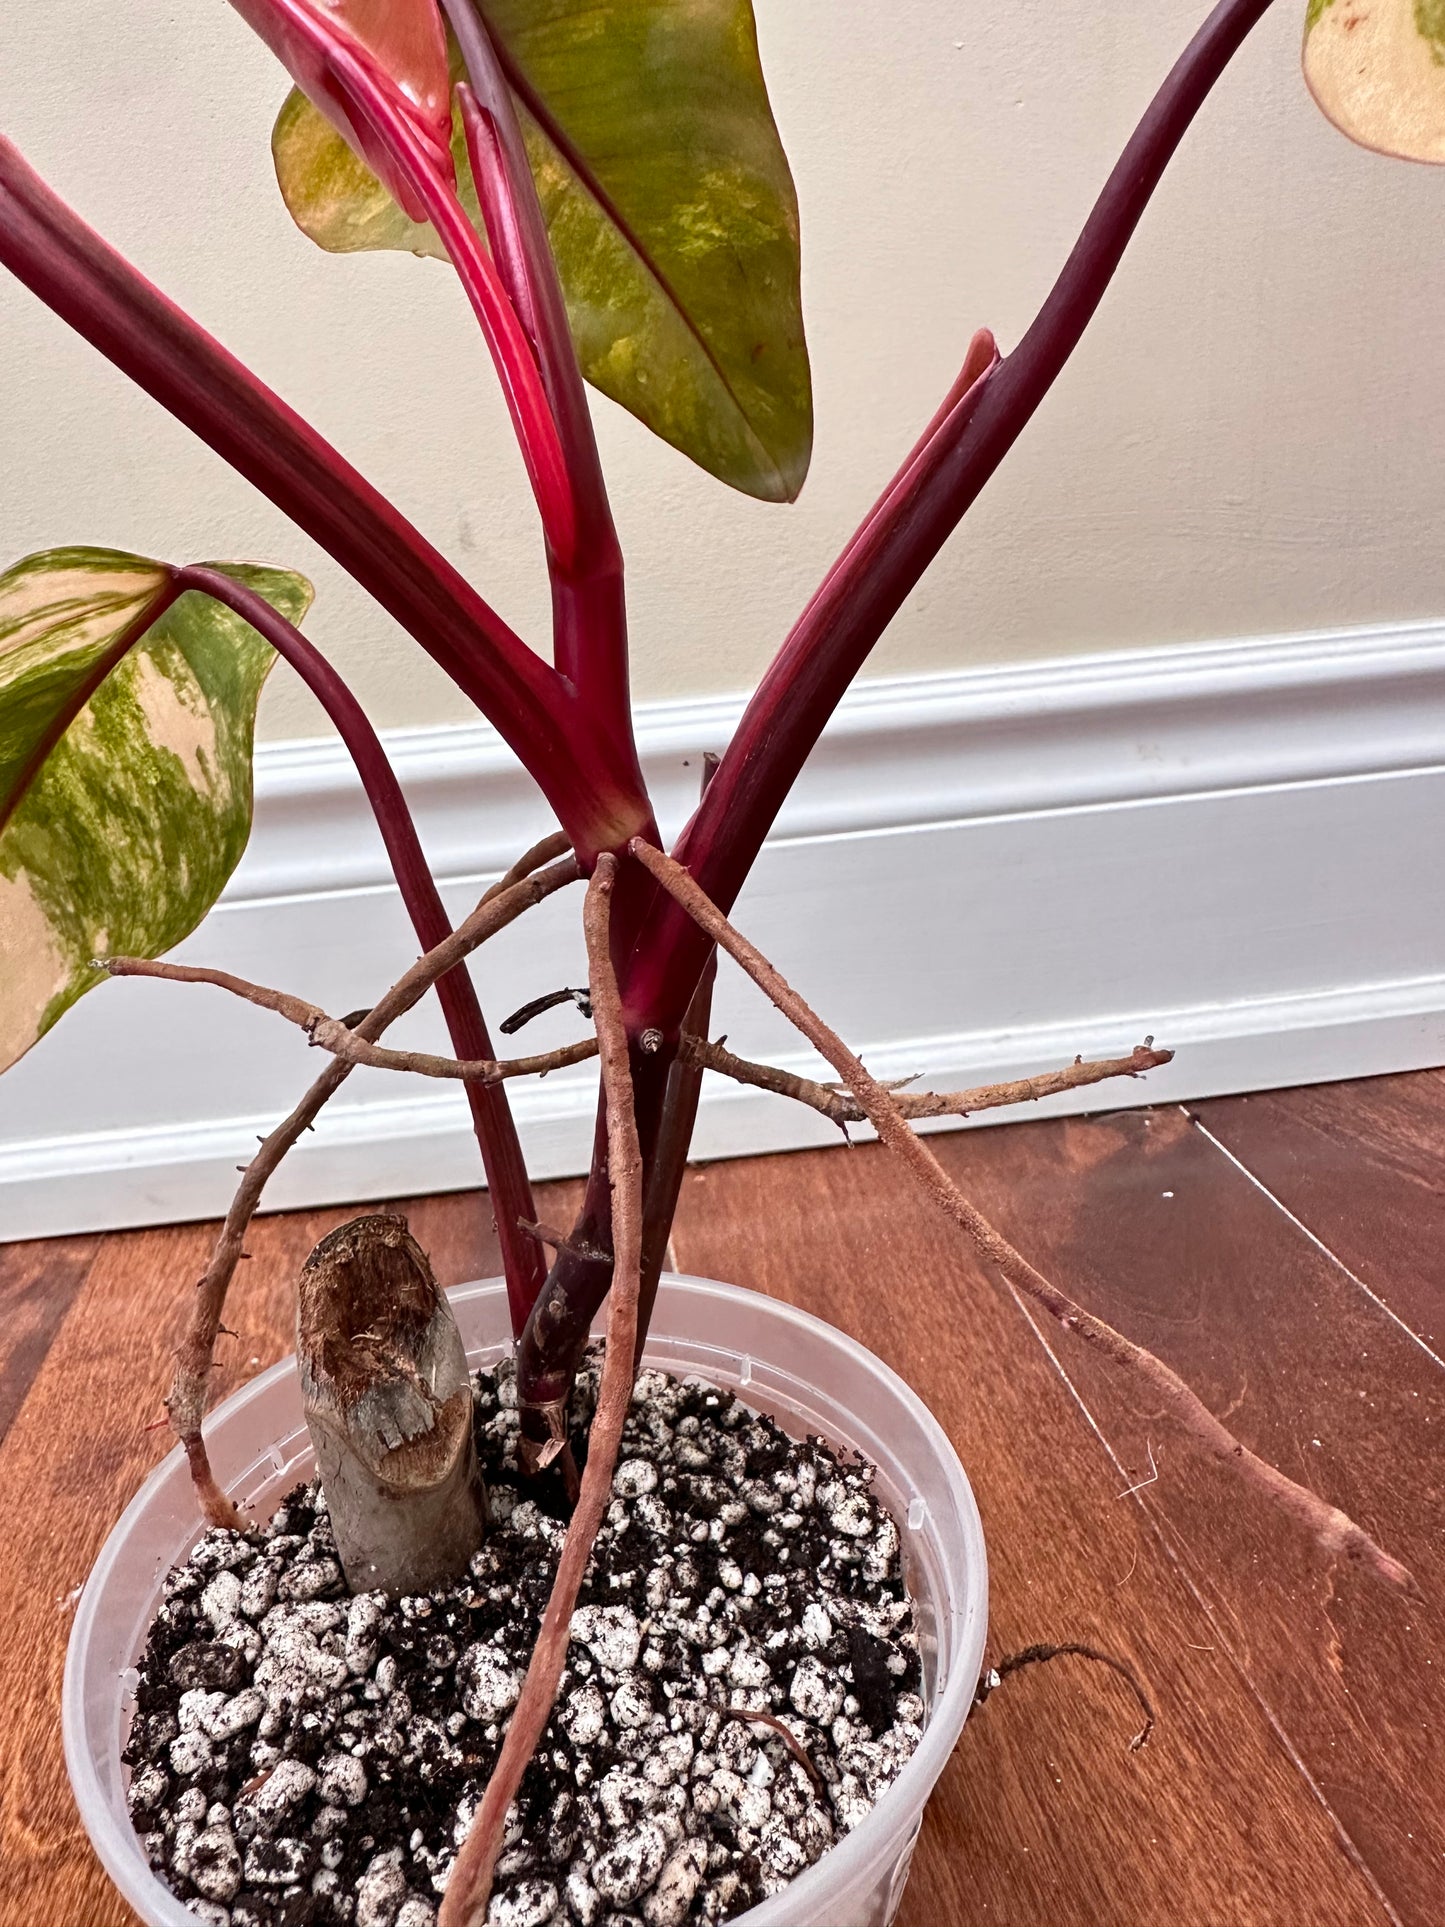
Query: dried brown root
{"type": "Point", "coordinates": [696, 1053]}
{"type": "Point", "coordinates": [469, 1887]}
{"type": "Point", "coordinates": [195, 1355]}
{"type": "Point", "coordinates": [1333, 1530]}
{"type": "Point", "coordinates": [344, 1040]}
{"type": "Point", "coordinates": [549, 849]}
{"type": "Point", "coordinates": [842, 1109]}
{"type": "Point", "coordinates": [994, 1677]}
{"type": "Point", "coordinates": [785, 1733]}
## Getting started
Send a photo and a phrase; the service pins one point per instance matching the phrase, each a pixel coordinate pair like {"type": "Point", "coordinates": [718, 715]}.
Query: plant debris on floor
{"type": "Point", "coordinates": [742, 1684]}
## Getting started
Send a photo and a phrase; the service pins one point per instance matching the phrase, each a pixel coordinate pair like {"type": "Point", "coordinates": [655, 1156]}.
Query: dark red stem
{"type": "Point", "coordinates": [595, 793]}
{"type": "Point", "coordinates": [836, 632]}
{"type": "Point", "coordinates": [511, 1193]}
{"type": "Point", "coordinates": [668, 1165]}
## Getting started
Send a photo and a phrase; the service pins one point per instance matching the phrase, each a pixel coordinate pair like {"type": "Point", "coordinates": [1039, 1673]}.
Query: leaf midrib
{"type": "Point", "coordinates": [129, 638]}
{"type": "Point", "coordinates": [542, 114]}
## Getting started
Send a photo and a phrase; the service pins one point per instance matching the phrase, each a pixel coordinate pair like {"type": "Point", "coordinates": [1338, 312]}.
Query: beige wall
{"type": "Point", "coordinates": [1247, 442]}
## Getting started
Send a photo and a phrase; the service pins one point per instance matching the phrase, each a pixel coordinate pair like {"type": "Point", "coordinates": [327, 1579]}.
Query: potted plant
{"type": "Point", "coordinates": [609, 188]}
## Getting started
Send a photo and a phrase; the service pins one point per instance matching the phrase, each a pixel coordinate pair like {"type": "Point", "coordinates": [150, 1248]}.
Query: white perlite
{"type": "Point", "coordinates": [319, 1751]}
{"type": "Point", "coordinates": [342, 1780]}
{"type": "Point", "coordinates": [487, 1684]}
{"type": "Point", "coordinates": [381, 1891]}
{"type": "Point", "coordinates": [611, 1634]}
{"type": "Point", "coordinates": [634, 1477]}
{"type": "Point", "coordinates": [532, 1904]}
{"type": "Point", "coordinates": [816, 1694]}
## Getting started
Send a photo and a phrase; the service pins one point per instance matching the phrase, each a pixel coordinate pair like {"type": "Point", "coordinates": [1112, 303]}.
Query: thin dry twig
{"type": "Point", "coordinates": [785, 1733]}
{"type": "Point", "coordinates": [841, 1109]}
{"type": "Point", "coordinates": [548, 850]}
{"type": "Point", "coordinates": [194, 1356]}
{"type": "Point", "coordinates": [1334, 1530]}
{"type": "Point", "coordinates": [548, 1234]}
{"type": "Point", "coordinates": [470, 1884]}
{"type": "Point", "coordinates": [345, 1040]}
{"type": "Point", "coordinates": [336, 1035]}
{"type": "Point", "coordinates": [995, 1676]}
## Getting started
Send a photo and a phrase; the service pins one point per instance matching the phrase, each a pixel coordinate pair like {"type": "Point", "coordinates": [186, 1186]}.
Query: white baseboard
{"type": "Point", "coordinates": [1231, 847]}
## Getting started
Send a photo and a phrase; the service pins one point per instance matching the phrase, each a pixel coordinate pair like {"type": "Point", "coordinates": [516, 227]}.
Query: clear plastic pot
{"type": "Point", "coordinates": [808, 1376]}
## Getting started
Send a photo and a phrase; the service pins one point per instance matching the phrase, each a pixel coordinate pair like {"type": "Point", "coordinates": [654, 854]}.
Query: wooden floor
{"type": "Point", "coordinates": [1283, 1252]}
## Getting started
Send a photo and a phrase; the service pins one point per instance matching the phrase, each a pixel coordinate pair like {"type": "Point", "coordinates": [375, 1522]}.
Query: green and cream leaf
{"type": "Point", "coordinates": [126, 731]}
{"type": "Point", "coordinates": [1377, 70]}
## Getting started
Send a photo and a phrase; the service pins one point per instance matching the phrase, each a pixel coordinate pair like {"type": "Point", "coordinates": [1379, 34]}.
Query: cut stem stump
{"type": "Point", "coordinates": [389, 1406]}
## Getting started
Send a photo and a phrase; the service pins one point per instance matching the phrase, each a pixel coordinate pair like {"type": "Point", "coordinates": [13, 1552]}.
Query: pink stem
{"type": "Point", "coordinates": [513, 190]}
{"type": "Point", "coordinates": [589, 612]}
{"type": "Point", "coordinates": [499, 210]}
{"type": "Point", "coordinates": [511, 351]}
{"type": "Point", "coordinates": [948, 422]}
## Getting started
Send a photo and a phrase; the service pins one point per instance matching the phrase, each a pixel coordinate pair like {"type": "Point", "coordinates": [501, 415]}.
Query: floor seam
{"type": "Point", "coordinates": [1318, 1242]}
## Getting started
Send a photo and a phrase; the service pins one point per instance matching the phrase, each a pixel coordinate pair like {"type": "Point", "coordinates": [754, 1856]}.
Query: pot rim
{"type": "Point", "coordinates": [898, 1812]}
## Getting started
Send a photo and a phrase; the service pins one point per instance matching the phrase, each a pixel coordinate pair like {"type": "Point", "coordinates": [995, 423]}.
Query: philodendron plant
{"type": "Point", "coordinates": [607, 183]}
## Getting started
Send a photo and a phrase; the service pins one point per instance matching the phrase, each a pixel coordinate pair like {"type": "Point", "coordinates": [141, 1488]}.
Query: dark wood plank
{"type": "Point", "coordinates": [459, 1232]}
{"type": "Point", "coordinates": [1363, 1165]}
{"type": "Point", "coordinates": [78, 1448]}
{"type": "Point", "coordinates": [1043, 1816]}
{"type": "Point", "coordinates": [38, 1283]}
{"type": "Point", "coordinates": [1143, 1219]}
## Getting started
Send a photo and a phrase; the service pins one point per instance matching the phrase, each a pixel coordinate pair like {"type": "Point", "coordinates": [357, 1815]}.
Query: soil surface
{"type": "Point", "coordinates": [304, 1758]}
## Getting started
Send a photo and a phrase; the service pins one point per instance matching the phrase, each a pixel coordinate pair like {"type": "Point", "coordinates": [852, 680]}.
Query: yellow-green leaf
{"type": "Point", "coordinates": [1377, 70]}
{"type": "Point", "coordinates": [126, 730]}
{"type": "Point", "coordinates": [670, 208]}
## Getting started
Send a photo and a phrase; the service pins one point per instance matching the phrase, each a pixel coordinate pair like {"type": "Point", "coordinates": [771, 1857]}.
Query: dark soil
{"type": "Point", "coordinates": [303, 1758]}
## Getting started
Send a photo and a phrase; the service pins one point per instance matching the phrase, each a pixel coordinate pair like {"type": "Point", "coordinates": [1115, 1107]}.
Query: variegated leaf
{"type": "Point", "coordinates": [125, 766]}
{"type": "Point", "coordinates": [1377, 70]}
{"type": "Point", "coordinates": [670, 208]}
